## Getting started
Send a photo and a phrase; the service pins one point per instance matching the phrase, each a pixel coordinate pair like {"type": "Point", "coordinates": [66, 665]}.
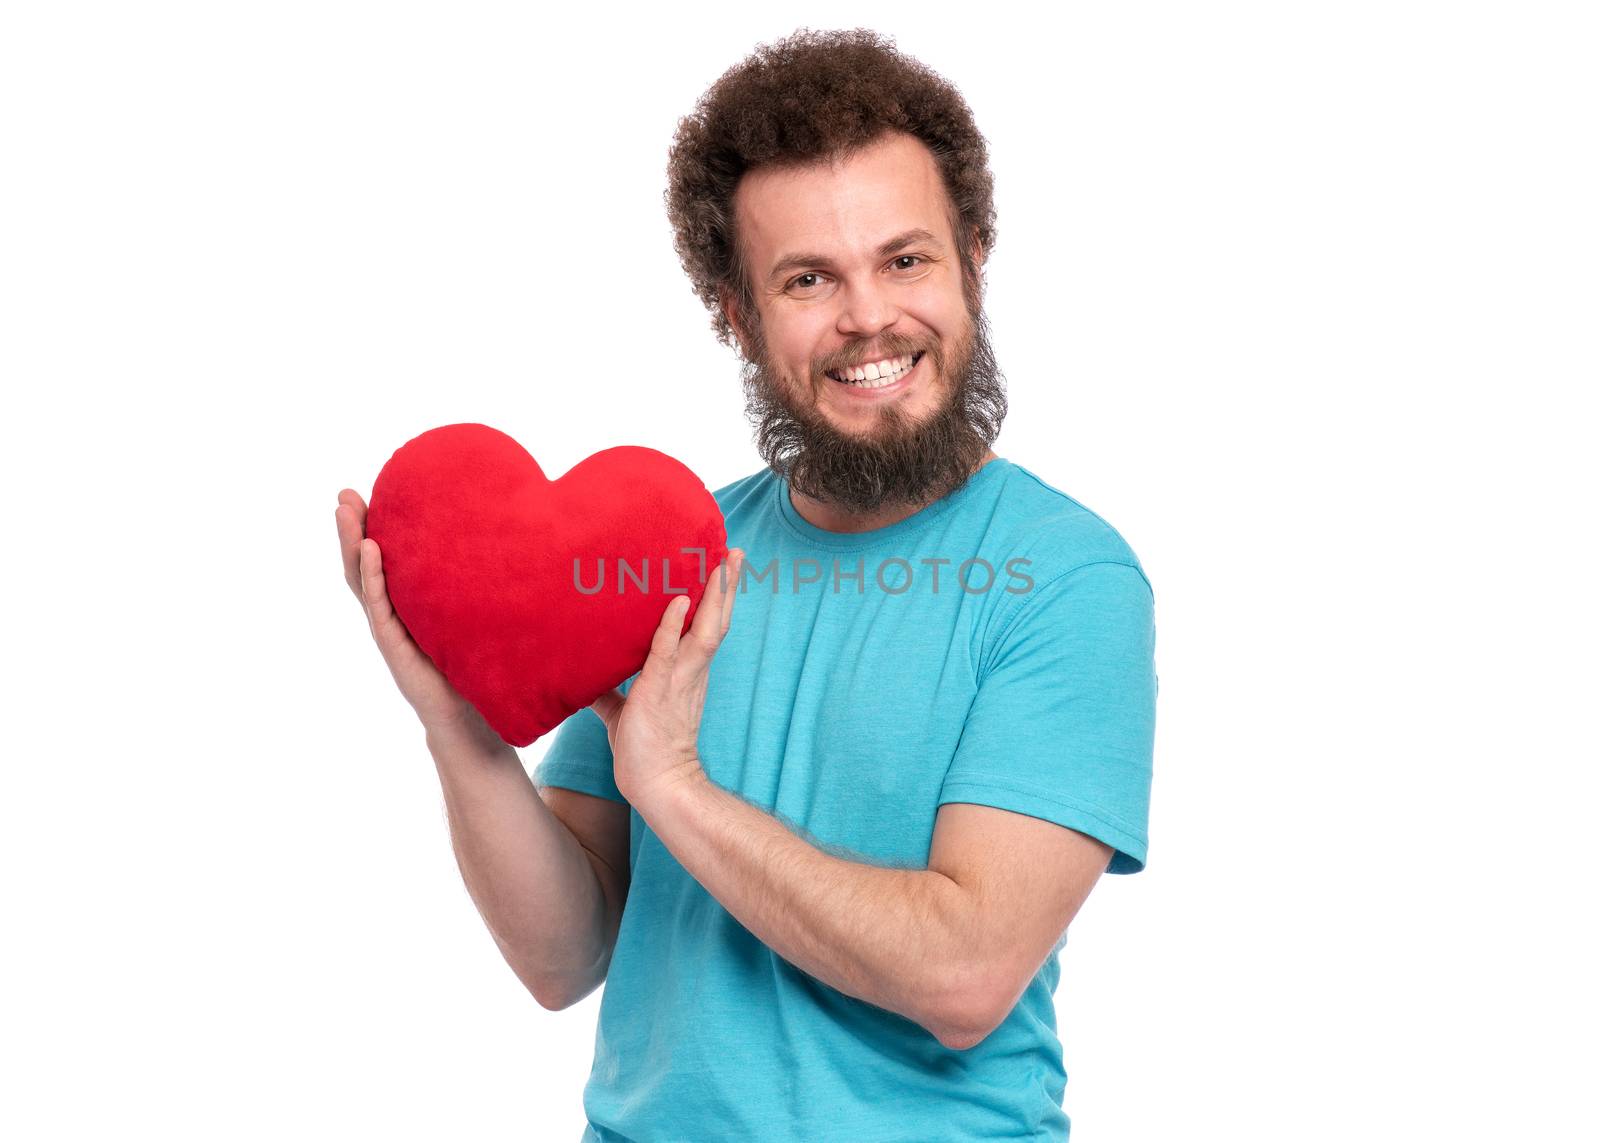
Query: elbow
{"type": "Point", "coordinates": [959, 1036]}
{"type": "Point", "coordinates": [960, 1041]}
{"type": "Point", "coordinates": [548, 999]}
{"type": "Point", "coordinates": [548, 994]}
{"type": "Point", "coordinates": [556, 997]}
{"type": "Point", "coordinates": [967, 1015]}
{"type": "Point", "coordinates": [963, 1030]}
{"type": "Point", "coordinates": [557, 991]}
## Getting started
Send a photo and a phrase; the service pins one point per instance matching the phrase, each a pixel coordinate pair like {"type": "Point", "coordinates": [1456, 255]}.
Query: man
{"type": "Point", "coordinates": [850, 828]}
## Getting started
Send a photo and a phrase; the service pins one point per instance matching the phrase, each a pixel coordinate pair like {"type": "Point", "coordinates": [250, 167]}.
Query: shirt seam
{"type": "Point", "coordinates": [1005, 630]}
{"type": "Point", "coordinates": [1048, 487]}
{"type": "Point", "coordinates": [1035, 792]}
{"type": "Point", "coordinates": [558, 768]}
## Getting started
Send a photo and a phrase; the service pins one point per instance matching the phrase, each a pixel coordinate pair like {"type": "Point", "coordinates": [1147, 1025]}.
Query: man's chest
{"type": "Point", "coordinates": [841, 715]}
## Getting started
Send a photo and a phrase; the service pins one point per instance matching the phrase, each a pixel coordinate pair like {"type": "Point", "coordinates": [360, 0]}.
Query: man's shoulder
{"type": "Point", "coordinates": [1056, 532]}
{"type": "Point", "coordinates": [731, 495]}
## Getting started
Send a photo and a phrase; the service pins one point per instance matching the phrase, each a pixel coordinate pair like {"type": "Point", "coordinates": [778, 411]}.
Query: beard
{"type": "Point", "coordinates": [898, 462]}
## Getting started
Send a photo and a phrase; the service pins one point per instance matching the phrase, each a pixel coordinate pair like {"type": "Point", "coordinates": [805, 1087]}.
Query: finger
{"type": "Point", "coordinates": [664, 643]}
{"type": "Point", "coordinates": [725, 585]}
{"type": "Point", "coordinates": [705, 633]}
{"type": "Point", "coordinates": [374, 591]}
{"type": "Point", "coordinates": [353, 498]}
{"type": "Point", "coordinates": [348, 523]}
{"type": "Point", "coordinates": [735, 567]}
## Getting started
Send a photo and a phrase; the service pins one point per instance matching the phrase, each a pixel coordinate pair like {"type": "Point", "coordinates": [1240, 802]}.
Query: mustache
{"type": "Point", "coordinates": [890, 345]}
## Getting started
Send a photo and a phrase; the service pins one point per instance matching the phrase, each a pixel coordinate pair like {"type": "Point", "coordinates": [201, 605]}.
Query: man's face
{"type": "Point", "coordinates": [855, 264]}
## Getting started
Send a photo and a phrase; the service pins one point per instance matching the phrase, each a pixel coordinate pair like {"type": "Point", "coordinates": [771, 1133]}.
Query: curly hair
{"type": "Point", "coordinates": [813, 96]}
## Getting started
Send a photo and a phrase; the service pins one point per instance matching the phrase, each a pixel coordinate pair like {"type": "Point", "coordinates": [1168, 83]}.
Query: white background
{"type": "Point", "coordinates": [1302, 298]}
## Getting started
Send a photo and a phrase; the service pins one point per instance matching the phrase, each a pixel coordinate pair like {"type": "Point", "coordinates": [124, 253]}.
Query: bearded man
{"type": "Point", "coordinates": [824, 857]}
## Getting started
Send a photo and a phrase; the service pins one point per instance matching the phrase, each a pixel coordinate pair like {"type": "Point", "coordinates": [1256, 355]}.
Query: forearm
{"type": "Point", "coordinates": [530, 879]}
{"type": "Point", "coordinates": [901, 939]}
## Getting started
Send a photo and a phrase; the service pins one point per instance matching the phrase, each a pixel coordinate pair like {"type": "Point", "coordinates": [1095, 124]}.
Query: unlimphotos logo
{"type": "Point", "coordinates": [893, 576]}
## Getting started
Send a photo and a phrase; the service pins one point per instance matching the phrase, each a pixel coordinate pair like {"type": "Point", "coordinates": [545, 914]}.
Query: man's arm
{"type": "Point", "coordinates": [530, 877]}
{"type": "Point", "coordinates": [940, 951]}
{"type": "Point", "coordinates": [950, 947]}
{"type": "Point", "coordinates": [534, 883]}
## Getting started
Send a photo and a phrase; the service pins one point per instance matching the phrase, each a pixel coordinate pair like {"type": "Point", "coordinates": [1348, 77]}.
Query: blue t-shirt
{"type": "Point", "coordinates": [867, 679]}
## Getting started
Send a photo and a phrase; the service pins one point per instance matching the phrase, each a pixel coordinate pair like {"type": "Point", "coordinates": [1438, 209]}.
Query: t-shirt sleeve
{"type": "Point", "coordinates": [579, 758]}
{"type": "Point", "coordinates": [1063, 724]}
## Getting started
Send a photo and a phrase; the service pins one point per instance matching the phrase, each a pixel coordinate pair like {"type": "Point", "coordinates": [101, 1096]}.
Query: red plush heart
{"type": "Point", "coordinates": [514, 584]}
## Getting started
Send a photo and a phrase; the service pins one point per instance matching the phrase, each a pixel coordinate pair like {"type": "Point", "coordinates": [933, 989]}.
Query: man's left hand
{"type": "Point", "coordinates": [655, 728]}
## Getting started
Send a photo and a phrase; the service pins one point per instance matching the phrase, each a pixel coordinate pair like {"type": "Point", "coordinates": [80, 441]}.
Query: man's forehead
{"type": "Point", "coordinates": [847, 209]}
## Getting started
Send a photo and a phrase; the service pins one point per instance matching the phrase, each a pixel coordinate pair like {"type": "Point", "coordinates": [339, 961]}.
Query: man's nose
{"type": "Point", "coordinates": [867, 308]}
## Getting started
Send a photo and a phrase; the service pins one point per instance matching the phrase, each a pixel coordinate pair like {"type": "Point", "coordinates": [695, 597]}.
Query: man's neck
{"type": "Point", "coordinates": [822, 515]}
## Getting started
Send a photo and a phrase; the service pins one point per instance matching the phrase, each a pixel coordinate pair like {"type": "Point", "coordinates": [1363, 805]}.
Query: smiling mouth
{"type": "Point", "coordinates": [878, 374]}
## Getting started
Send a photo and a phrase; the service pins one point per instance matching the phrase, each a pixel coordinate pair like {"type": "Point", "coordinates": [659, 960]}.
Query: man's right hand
{"type": "Point", "coordinates": [436, 702]}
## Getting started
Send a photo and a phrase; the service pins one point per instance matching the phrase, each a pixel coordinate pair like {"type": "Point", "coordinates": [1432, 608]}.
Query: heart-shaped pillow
{"type": "Point", "coordinates": [535, 596]}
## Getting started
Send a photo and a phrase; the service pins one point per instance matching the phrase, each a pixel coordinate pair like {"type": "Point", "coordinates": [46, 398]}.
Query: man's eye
{"type": "Point", "coordinates": [806, 281]}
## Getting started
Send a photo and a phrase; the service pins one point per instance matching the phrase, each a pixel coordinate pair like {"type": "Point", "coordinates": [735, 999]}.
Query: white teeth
{"type": "Point", "coordinates": [876, 374]}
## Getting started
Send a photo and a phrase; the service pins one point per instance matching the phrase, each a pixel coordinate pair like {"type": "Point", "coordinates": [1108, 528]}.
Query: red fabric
{"type": "Point", "coordinates": [478, 548]}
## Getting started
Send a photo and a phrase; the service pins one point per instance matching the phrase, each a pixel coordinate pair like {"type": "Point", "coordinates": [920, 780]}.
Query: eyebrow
{"type": "Point", "coordinates": [898, 242]}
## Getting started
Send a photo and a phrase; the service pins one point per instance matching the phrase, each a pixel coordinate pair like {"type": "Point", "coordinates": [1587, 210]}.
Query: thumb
{"type": "Point", "coordinates": [607, 706]}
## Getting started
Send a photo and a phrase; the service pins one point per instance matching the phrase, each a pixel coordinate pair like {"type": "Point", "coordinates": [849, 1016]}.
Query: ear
{"type": "Point", "coordinates": [730, 310]}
